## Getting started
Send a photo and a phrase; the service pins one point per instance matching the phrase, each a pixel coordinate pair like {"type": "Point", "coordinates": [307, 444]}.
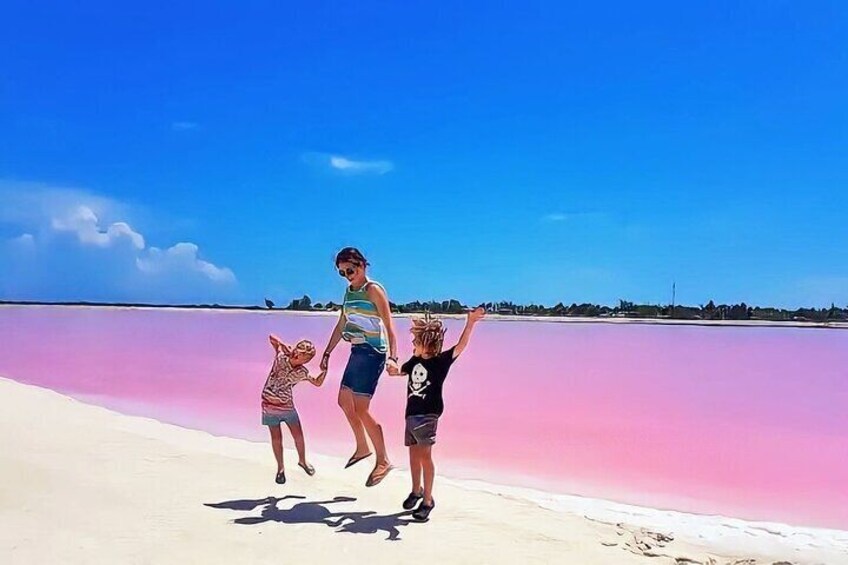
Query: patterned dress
{"type": "Point", "coordinates": [277, 397]}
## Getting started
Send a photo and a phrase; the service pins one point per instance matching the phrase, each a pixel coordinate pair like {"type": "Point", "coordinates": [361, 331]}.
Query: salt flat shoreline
{"type": "Point", "coordinates": [490, 317]}
{"type": "Point", "coordinates": [82, 484]}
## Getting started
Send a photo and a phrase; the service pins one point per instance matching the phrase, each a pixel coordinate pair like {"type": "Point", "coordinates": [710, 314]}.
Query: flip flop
{"type": "Point", "coordinates": [354, 459]}
{"type": "Point", "coordinates": [309, 469]}
{"type": "Point", "coordinates": [376, 479]}
{"type": "Point", "coordinates": [281, 478]}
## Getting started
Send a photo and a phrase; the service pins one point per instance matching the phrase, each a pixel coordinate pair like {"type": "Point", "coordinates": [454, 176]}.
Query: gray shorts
{"type": "Point", "coordinates": [272, 416]}
{"type": "Point", "coordinates": [421, 430]}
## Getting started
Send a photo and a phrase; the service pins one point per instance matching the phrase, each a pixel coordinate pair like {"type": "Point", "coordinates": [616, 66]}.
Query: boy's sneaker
{"type": "Point", "coordinates": [422, 513]}
{"type": "Point", "coordinates": [412, 500]}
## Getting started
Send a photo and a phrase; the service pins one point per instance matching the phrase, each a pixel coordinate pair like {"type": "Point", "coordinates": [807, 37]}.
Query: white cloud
{"type": "Point", "coordinates": [182, 257]}
{"type": "Point", "coordinates": [66, 231]}
{"type": "Point", "coordinates": [351, 166]}
{"type": "Point", "coordinates": [348, 166]}
{"type": "Point", "coordinates": [184, 126]}
{"type": "Point", "coordinates": [23, 244]}
{"type": "Point", "coordinates": [24, 239]}
{"type": "Point", "coordinates": [566, 216]}
{"type": "Point", "coordinates": [83, 222]}
{"type": "Point", "coordinates": [31, 204]}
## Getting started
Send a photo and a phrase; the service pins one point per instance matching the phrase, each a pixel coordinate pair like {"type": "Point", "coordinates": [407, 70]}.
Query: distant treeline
{"type": "Point", "coordinates": [624, 309]}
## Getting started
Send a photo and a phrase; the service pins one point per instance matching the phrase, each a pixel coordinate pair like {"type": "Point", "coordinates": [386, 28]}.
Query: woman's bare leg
{"type": "Point", "coordinates": [375, 432]}
{"type": "Point", "coordinates": [346, 402]}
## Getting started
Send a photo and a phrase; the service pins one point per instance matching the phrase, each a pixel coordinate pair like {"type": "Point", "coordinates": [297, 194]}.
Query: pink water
{"type": "Point", "coordinates": [748, 422]}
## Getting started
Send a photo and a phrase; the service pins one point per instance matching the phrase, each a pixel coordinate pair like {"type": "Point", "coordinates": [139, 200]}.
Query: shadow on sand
{"type": "Point", "coordinates": [316, 512]}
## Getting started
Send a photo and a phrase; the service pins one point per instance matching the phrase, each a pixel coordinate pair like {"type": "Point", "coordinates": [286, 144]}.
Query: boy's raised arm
{"type": "Point", "coordinates": [471, 320]}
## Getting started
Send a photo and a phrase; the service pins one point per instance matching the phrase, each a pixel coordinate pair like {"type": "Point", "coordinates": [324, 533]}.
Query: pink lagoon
{"type": "Point", "coordinates": [750, 422]}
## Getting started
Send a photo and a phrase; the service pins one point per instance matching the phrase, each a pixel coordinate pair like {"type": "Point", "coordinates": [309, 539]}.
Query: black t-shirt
{"type": "Point", "coordinates": [424, 385]}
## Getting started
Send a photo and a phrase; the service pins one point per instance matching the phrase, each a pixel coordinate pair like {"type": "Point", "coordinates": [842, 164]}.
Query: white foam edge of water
{"type": "Point", "coordinates": [733, 535]}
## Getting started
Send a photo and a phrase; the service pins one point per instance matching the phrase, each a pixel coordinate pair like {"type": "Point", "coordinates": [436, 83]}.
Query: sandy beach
{"type": "Point", "coordinates": [82, 484]}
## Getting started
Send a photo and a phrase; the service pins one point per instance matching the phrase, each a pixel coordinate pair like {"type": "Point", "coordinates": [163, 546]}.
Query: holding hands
{"type": "Point", "coordinates": [319, 380]}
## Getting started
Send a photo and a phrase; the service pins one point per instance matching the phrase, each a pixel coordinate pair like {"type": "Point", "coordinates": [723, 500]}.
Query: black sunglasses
{"type": "Point", "coordinates": [346, 272]}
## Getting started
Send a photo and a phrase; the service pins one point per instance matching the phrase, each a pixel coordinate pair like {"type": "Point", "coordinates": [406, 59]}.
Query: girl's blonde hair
{"type": "Point", "coordinates": [306, 347]}
{"type": "Point", "coordinates": [429, 333]}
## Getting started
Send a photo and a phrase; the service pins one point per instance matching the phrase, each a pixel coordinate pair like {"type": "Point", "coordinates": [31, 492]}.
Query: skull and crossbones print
{"type": "Point", "coordinates": [418, 382]}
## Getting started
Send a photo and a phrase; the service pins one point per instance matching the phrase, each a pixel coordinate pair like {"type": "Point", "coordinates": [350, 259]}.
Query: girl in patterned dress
{"type": "Point", "coordinates": [287, 370]}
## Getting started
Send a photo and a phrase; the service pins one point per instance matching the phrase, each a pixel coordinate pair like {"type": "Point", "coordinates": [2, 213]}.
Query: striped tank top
{"type": "Point", "coordinates": [362, 322]}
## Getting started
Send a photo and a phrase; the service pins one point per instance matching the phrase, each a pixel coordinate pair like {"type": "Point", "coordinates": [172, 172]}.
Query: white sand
{"type": "Point", "coordinates": [82, 484]}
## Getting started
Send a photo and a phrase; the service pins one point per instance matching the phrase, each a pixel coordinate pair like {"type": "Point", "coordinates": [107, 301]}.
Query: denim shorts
{"type": "Point", "coordinates": [275, 417]}
{"type": "Point", "coordinates": [421, 430]}
{"type": "Point", "coordinates": [363, 369]}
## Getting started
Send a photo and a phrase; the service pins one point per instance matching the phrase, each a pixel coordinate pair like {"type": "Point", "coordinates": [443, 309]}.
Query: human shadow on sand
{"type": "Point", "coordinates": [316, 512]}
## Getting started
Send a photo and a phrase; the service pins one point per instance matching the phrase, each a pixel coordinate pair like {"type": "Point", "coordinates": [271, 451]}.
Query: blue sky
{"type": "Point", "coordinates": [537, 152]}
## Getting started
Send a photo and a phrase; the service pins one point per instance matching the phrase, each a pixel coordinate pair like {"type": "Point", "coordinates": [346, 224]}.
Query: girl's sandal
{"type": "Point", "coordinates": [309, 469]}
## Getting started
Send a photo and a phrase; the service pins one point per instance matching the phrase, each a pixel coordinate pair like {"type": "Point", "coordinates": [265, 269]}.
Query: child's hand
{"type": "Point", "coordinates": [278, 345]}
{"type": "Point", "coordinates": [393, 370]}
{"type": "Point", "coordinates": [275, 342]}
{"type": "Point", "coordinates": [476, 315]}
{"type": "Point", "coordinates": [320, 380]}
